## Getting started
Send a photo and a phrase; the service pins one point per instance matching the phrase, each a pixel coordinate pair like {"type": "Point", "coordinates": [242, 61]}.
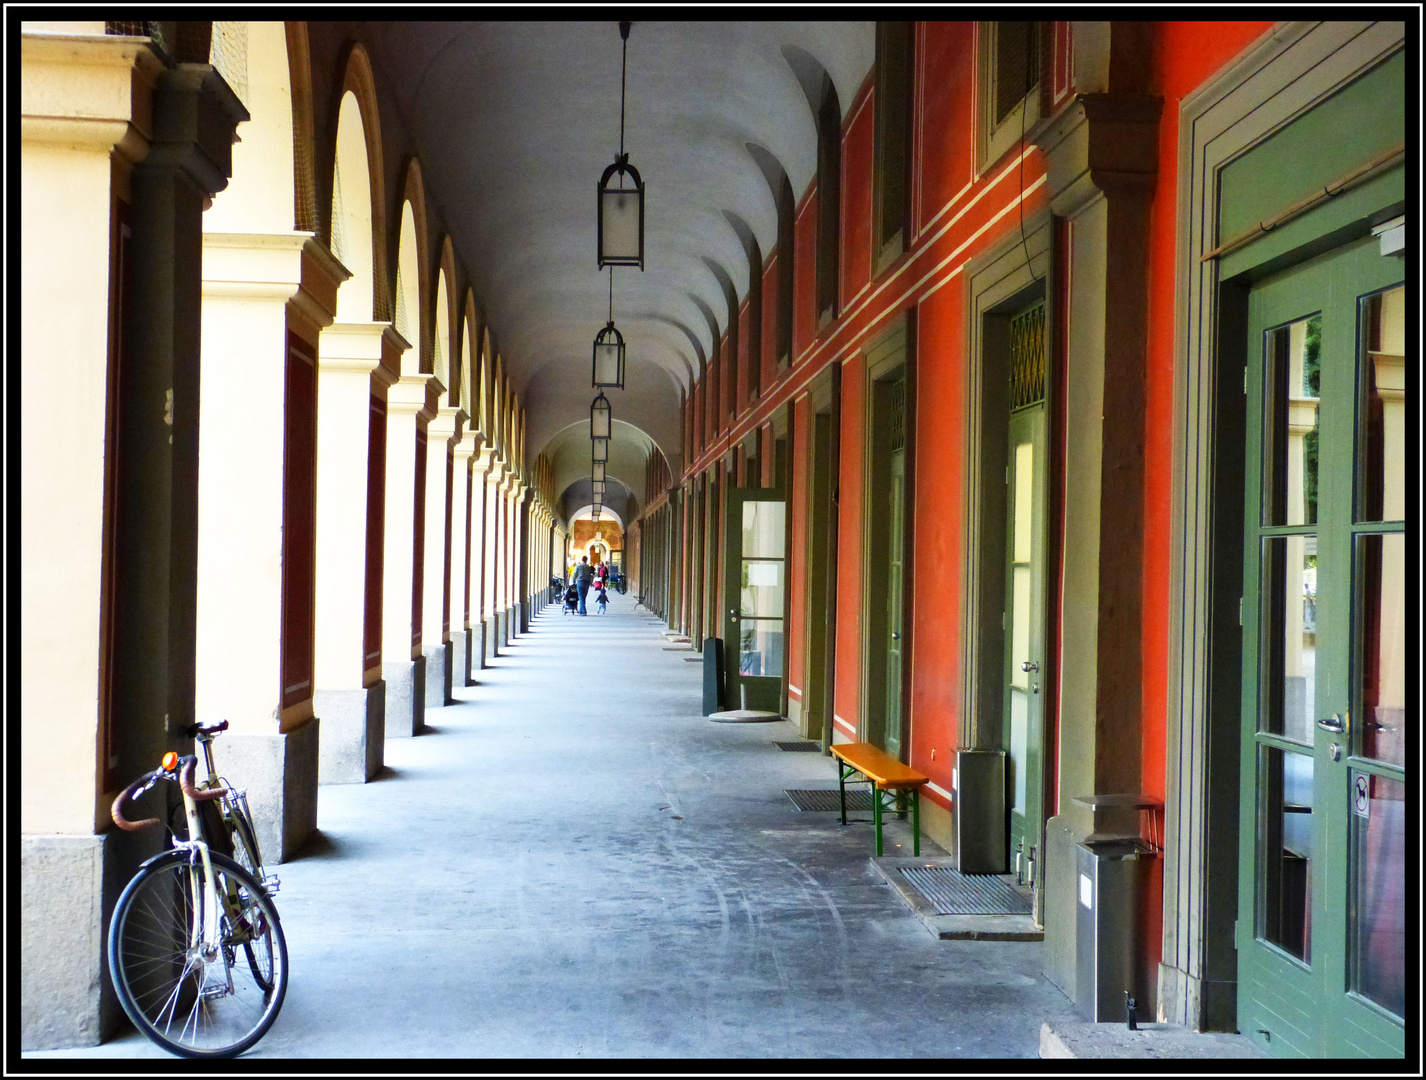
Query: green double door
{"type": "Point", "coordinates": [754, 620]}
{"type": "Point", "coordinates": [1321, 932]}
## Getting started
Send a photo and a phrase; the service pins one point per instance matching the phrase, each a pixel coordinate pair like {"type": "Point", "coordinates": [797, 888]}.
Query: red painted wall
{"type": "Point", "coordinates": [745, 336]}
{"type": "Point", "coordinates": [797, 572]}
{"type": "Point", "coordinates": [769, 342]}
{"type": "Point", "coordinates": [944, 138]}
{"type": "Point", "coordinates": [857, 147]}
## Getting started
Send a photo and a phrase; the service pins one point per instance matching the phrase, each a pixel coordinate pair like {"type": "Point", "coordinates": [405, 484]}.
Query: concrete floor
{"type": "Point", "coordinates": [574, 863]}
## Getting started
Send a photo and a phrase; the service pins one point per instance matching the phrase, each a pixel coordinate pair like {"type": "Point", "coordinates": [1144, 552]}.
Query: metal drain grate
{"type": "Point", "coordinates": [954, 893]}
{"type": "Point", "coordinates": [826, 799]}
{"type": "Point", "coordinates": [801, 747]}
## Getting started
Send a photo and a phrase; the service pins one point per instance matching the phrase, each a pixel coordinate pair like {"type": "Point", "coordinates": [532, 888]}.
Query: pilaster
{"type": "Point", "coordinates": [403, 665]}
{"type": "Point", "coordinates": [1101, 157]}
{"type": "Point", "coordinates": [441, 431]}
{"type": "Point", "coordinates": [461, 595]}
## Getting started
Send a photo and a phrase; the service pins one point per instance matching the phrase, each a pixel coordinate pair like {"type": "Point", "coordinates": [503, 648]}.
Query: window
{"type": "Point", "coordinates": [892, 184]}
{"type": "Point", "coordinates": [786, 211]}
{"type": "Point", "coordinates": [1009, 82]}
{"type": "Point", "coordinates": [829, 200]}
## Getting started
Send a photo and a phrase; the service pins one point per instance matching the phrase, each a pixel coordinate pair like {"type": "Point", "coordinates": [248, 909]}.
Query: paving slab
{"type": "Point", "coordinates": [1071, 1039]}
{"type": "Point", "coordinates": [572, 864]}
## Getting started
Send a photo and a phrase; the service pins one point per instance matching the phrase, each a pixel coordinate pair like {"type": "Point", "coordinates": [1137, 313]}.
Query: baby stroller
{"type": "Point", "coordinates": [571, 600]}
{"type": "Point", "coordinates": [601, 598]}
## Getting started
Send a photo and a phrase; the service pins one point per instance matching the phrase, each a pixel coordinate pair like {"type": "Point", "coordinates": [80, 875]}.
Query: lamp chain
{"type": "Point", "coordinates": [611, 296]}
{"type": "Point", "coordinates": [623, 82]}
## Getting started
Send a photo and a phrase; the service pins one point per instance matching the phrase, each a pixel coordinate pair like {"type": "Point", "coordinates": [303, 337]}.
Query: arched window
{"type": "Point", "coordinates": [408, 289]}
{"type": "Point", "coordinates": [441, 345]}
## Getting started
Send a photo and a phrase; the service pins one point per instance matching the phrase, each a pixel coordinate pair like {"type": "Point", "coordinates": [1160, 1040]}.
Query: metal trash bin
{"type": "Point", "coordinates": [712, 675]}
{"type": "Point", "coordinates": [982, 846]}
{"type": "Point", "coordinates": [1112, 880]}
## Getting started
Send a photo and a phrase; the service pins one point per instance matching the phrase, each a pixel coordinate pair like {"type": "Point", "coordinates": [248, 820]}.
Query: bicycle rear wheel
{"type": "Point", "coordinates": [193, 1001]}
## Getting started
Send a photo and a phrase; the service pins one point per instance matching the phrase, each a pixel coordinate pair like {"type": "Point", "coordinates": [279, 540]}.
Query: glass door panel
{"type": "Point", "coordinates": [1322, 905]}
{"type": "Point", "coordinates": [756, 583]}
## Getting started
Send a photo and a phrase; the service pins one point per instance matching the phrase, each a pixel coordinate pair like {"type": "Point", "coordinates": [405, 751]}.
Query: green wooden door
{"type": "Point", "coordinates": [754, 620]}
{"type": "Point", "coordinates": [1024, 623]}
{"type": "Point", "coordinates": [1322, 900]}
{"type": "Point", "coordinates": [896, 551]}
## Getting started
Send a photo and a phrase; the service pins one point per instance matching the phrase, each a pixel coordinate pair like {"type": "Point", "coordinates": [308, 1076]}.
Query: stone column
{"type": "Point", "coordinates": [493, 479]}
{"type": "Point", "coordinates": [1102, 157]}
{"type": "Point", "coordinates": [520, 559]}
{"type": "Point", "coordinates": [461, 593]}
{"type": "Point", "coordinates": [480, 466]}
{"type": "Point", "coordinates": [85, 119]}
{"type": "Point", "coordinates": [350, 694]}
{"type": "Point", "coordinates": [402, 665]}
{"type": "Point", "coordinates": [435, 626]}
{"type": "Point", "coordinates": [108, 514]}
{"type": "Point", "coordinates": [260, 292]}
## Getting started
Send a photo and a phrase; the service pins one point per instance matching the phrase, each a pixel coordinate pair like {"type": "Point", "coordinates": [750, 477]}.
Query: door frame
{"type": "Point", "coordinates": [819, 613]}
{"type": "Point", "coordinates": [891, 352]}
{"type": "Point", "coordinates": [1012, 275]}
{"type": "Point", "coordinates": [1287, 73]}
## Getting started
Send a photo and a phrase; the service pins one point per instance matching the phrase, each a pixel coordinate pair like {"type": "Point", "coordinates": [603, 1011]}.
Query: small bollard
{"type": "Point", "coordinates": [1130, 1005]}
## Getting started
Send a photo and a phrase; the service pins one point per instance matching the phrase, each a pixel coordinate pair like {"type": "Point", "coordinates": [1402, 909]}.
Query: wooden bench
{"type": "Point", "coordinates": [890, 781]}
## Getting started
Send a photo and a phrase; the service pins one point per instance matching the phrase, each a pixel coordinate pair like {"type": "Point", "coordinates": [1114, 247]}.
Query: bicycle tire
{"type": "Point", "coordinates": [249, 857]}
{"type": "Point", "coordinates": [159, 980]}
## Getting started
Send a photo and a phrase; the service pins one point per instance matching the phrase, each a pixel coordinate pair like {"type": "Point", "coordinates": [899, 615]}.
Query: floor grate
{"type": "Point", "coordinates": [954, 893]}
{"type": "Point", "coordinates": [801, 747]}
{"type": "Point", "coordinates": [826, 799]}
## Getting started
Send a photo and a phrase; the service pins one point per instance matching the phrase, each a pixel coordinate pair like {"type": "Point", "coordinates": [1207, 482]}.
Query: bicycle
{"type": "Point", "coordinates": [233, 808]}
{"type": "Point", "coordinates": [180, 926]}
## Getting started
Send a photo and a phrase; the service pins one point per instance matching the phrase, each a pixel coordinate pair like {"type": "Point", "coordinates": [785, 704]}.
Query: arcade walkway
{"type": "Point", "coordinates": [574, 863]}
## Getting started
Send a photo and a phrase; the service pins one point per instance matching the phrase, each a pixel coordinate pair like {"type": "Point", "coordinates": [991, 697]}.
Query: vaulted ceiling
{"type": "Point", "coordinates": [515, 122]}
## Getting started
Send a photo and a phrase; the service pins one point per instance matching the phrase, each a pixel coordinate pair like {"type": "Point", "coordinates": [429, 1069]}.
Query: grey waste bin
{"type": "Point", "coordinates": [981, 845]}
{"type": "Point", "coordinates": [1112, 879]}
{"type": "Point", "coordinates": [712, 675]}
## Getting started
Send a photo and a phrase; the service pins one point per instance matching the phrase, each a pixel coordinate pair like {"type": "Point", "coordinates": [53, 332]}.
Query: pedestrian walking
{"type": "Point", "coordinates": [583, 576]}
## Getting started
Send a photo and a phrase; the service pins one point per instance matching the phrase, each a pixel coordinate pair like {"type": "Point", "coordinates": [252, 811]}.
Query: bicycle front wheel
{"type": "Point", "coordinates": [192, 993]}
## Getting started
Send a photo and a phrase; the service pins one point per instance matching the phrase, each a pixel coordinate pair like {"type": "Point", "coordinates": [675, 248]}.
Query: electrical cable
{"type": "Point", "coordinates": [1024, 108]}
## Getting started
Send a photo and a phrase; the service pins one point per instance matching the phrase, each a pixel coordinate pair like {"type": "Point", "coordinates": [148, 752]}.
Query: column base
{"type": "Point", "coordinates": [518, 625]}
{"type": "Point", "coordinates": [353, 733]}
{"type": "Point", "coordinates": [485, 644]}
{"type": "Point", "coordinates": [65, 998]}
{"type": "Point", "coordinates": [279, 773]}
{"type": "Point", "coordinates": [1060, 905]}
{"type": "Point", "coordinates": [405, 697]}
{"type": "Point", "coordinates": [499, 642]}
{"type": "Point", "coordinates": [438, 677]}
{"type": "Point", "coordinates": [460, 659]}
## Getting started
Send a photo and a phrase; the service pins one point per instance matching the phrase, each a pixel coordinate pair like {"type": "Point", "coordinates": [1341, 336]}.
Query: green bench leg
{"type": "Point", "coordinates": [916, 822]}
{"type": "Point", "coordinates": [876, 815]}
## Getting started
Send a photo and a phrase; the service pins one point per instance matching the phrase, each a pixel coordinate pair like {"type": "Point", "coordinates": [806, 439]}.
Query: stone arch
{"type": "Point", "coordinates": [409, 300]}
{"type": "Point", "coordinates": [447, 336]}
{"type": "Point", "coordinates": [362, 170]}
{"type": "Point", "coordinates": [304, 138]}
{"type": "Point", "coordinates": [484, 390]}
{"type": "Point", "coordinates": [470, 363]}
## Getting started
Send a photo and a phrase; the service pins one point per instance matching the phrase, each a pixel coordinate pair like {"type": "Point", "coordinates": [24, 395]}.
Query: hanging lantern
{"type": "Point", "coordinates": [609, 354]}
{"type": "Point", "coordinates": [621, 208]}
{"type": "Point", "coordinates": [600, 418]}
{"type": "Point", "coordinates": [601, 449]}
{"type": "Point", "coordinates": [599, 468]}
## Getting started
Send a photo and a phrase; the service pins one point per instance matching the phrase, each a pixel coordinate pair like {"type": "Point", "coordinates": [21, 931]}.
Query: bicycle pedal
{"type": "Point", "coordinates": [271, 884]}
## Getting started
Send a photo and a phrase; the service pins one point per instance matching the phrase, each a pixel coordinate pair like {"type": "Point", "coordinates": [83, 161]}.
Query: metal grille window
{"type": "Point", "coordinates": [1017, 64]}
{"type": "Point", "coordinates": [1027, 357]}
{"type": "Point", "coordinates": [229, 55]}
{"type": "Point", "coordinates": [403, 322]}
{"type": "Point", "coordinates": [898, 415]}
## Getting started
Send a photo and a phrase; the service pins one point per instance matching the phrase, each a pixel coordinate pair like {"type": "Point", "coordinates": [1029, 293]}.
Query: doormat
{"type": "Point", "coordinates": [954, 893]}
{"type": "Point", "coordinates": [800, 747]}
{"type": "Point", "coordinates": [826, 799]}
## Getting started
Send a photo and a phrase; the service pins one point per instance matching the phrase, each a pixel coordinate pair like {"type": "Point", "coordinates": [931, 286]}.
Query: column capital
{"type": "Point", "coordinates": [465, 445]}
{"type": "Point", "coordinates": [483, 456]}
{"type": "Point", "coordinates": [407, 395]}
{"type": "Point", "coordinates": [253, 266]}
{"type": "Point", "coordinates": [88, 92]}
{"type": "Point", "coordinates": [1101, 143]}
{"type": "Point", "coordinates": [357, 347]}
{"type": "Point", "coordinates": [196, 115]}
{"type": "Point", "coordinates": [445, 423]}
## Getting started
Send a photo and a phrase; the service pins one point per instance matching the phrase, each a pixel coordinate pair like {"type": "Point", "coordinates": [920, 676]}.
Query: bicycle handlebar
{"type": "Point", "coordinates": [117, 810]}
{"type": "Point", "coordinates": [185, 781]}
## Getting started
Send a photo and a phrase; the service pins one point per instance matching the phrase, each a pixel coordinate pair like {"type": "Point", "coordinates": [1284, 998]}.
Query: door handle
{"type": "Point", "coordinates": [1333, 724]}
{"type": "Point", "coordinates": [895, 636]}
{"type": "Point", "coordinates": [1029, 665]}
